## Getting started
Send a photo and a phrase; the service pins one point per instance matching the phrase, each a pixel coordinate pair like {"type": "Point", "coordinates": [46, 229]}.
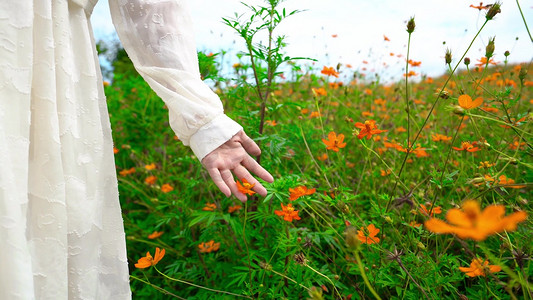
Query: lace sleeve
{"type": "Point", "coordinates": [158, 37]}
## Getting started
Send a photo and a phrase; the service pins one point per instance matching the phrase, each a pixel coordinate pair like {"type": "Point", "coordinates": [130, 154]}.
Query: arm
{"type": "Point", "coordinates": [157, 35]}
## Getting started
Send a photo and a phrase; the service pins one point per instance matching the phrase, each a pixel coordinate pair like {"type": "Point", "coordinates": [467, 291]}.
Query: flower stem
{"type": "Point", "coordinates": [199, 286]}
{"type": "Point", "coordinates": [363, 274]}
{"type": "Point", "coordinates": [525, 23]}
{"type": "Point", "coordinates": [162, 290]}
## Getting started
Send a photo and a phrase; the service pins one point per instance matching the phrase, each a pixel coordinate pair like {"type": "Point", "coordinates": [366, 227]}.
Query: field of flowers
{"type": "Point", "coordinates": [417, 189]}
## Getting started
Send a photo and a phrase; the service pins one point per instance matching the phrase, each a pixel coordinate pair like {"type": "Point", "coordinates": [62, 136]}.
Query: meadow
{"type": "Point", "coordinates": [416, 189]}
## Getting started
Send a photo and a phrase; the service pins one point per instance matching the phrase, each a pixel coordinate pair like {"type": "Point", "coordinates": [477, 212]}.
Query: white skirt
{"type": "Point", "coordinates": [61, 230]}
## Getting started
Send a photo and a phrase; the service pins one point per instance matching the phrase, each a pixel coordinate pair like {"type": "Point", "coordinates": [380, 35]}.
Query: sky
{"type": "Point", "coordinates": [352, 31]}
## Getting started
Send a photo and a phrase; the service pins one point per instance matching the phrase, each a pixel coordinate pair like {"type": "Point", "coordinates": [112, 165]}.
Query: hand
{"type": "Point", "coordinates": [233, 156]}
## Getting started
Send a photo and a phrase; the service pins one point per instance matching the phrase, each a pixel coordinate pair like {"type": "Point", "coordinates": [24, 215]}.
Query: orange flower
{"type": "Point", "coordinates": [441, 138]}
{"type": "Point", "coordinates": [368, 129]}
{"type": "Point", "coordinates": [414, 224]}
{"type": "Point", "coordinates": [503, 180]}
{"type": "Point", "coordinates": [483, 62]}
{"type": "Point", "coordinates": [314, 114]}
{"type": "Point", "coordinates": [323, 157]}
{"type": "Point", "coordinates": [245, 187]}
{"type": "Point", "coordinates": [369, 238]}
{"type": "Point", "coordinates": [166, 188]}
{"type": "Point", "coordinates": [380, 101]}
{"type": "Point", "coordinates": [335, 85]}
{"type": "Point", "coordinates": [420, 152]}
{"type": "Point", "coordinates": [329, 71]}
{"type": "Point", "coordinates": [367, 114]}
{"type": "Point", "coordinates": [150, 167]}
{"type": "Point", "coordinates": [300, 191]}
{"type": "Point", "coordinates": [304, 111]}
{"type": "Point", "coordinates": [209, 247]}
{"type": "Point", "coordinates": [414, 63]}
{"type": "Point", "coordinates": [466, 102]}
{"type": "Point", "coordinates": [287, 212]}
{"type": "Point", "coordinates": [150, 180]}
{"type": "Point", "coordinates": [472, 223]}
{"type": "Point", "coordinates": [400, 129]}
{"type": "Point", "coordinates": [154, 235]}
{"type": "Point", "coordinates": [126, 172]}
{"type": "Point", "coordinates": [480, 6]}
{"type": "Point", "coordinates": [210, 207]}
{"type": "Point", "coordinates": [148, 260]}
{"type": "Point", "coordinates": [436, 210]}
{"type": "Point", "coordinates": [115, 150]}
{"type": "Point", "coordinates": [514, 122]}
{"type": "Point", "coordinates": [384, 173]}
{"type": "Point", "coordinates": [411, 73]}
{"type": "Point", "coordinates": [386, 39]}
{"type": "Point", "coordinates": [478, 267]}
{"type": "Point", "coordinates": [234, 208]}
{"type": "Point", "coordinates": [485, 164]}
{"type": "Point", "coordinates": [467, 146]}
{"type": "Point", "coordinates": [319, 92]}
{"type": "Point", "coordinates": [334, 141]}
{"type": "Point", "coordinates": [271, 122]}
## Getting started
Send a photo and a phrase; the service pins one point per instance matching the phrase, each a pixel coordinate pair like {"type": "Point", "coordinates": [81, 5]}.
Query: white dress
{"type": "Point", "coordinates": [61, 230]}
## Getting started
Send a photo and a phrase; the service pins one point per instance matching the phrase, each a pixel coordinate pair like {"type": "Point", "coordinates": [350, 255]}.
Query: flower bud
{"type": "Point", "coordinates": [458, 111]}
{"type": "Point", "coordinates": [388, 219]}
{"type": "Point", "coordinates": [411, 25]}
{"type": "Point", "coordinates": [467, 61]}
{"type": "Point", "coordinates": [493, 11]}
{"type": "Point", "coordinates": [477, 180]}
{"type": "Point", "coordinates": [351, 239]}
{"type": "Point", "coordinates": [489, 50]}
{"type": "Point", "coordinates": [448, 56]}
{"type": "Point", "coordinates": [507, 53]}
{"type": "Point", "coordinates": [522, 74]}
{"type": "Point", "coordinates": [315, 293]}
{"type": "Point", "coordinates": [420, 245]}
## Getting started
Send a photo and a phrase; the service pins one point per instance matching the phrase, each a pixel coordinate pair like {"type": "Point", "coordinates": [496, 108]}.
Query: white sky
{"type": "Point", "coordinates": [360, 26]}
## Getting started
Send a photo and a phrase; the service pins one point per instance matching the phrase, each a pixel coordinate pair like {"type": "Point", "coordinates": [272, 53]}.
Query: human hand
{"type": "Point", "coordinates": [233, 156]}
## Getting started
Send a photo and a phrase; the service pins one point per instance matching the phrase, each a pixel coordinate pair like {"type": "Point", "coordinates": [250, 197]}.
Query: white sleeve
{"type": "Point", "coordinates": [158, 37]}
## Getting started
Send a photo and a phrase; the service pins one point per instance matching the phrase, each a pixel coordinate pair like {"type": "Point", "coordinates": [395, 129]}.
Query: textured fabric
{"type": "Point", "coordinates": [61, 231]}
{"type": "Point", "coordinates": [158, 37]}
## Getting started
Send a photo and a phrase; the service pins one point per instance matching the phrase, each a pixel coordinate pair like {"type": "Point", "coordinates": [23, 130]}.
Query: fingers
{"type": "Point", "coordinates": [249, 145]}
{"type": "Point", "coordinates": [230, 182]}
{"type": "Point", "coordinates": [255, 168]}
{"type": "Point", "coordinates": [219, 182]}
{"type": "Point", "coordinates": [242, 173]}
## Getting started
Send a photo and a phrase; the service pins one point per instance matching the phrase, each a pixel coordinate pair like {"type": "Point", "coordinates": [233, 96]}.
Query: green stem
{"type": "Point", "coordinates": [334, 287]}
{"type": "Point", "coordinates": [407, 91]}
{"type": "Point", "coordinates": [363, 274]}
{"type": "Point", "coordinates": [162, 290]}
{"type": "Point", "coordinates": [199, 286]}
{"type": "Point", "coordinates": [525, 23]}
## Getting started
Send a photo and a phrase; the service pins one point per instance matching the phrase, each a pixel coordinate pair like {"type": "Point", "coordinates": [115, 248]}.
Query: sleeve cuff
{"type": "Point", "coordinates": [212, 135]}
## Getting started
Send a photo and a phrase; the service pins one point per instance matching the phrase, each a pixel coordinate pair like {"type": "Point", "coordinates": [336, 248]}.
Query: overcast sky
{"type": "Point", "coordinates": [359, 27]}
